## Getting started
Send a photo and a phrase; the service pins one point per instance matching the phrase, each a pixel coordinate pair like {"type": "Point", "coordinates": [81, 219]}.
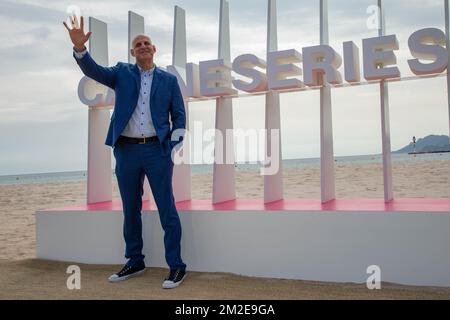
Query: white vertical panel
{"type": "Point", "coordinates": [327, 182]}
{"type": "Point", "coordinates": [99, 176]}
{"type": "Point", "coordinates": [136, 25]}
{"type": "Point", "coordinates": [179, 54]}
{"type": "Point", "coordinates": [447, 38]}
{"type": "Point", "coordinates": [224, 187]}
{"type": "Point", "coordinates": [182, 172]}
{"type": "Point", "coordinates": [324, 34]}
{"type": "Point", "coordinates": [224, 31]}
{"type": "Point", "coordinates": [385, 123]}
{"type": "Point", "coordinates": [273, 184]}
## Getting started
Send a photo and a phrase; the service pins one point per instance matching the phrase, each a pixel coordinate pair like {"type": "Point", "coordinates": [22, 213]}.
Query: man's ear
{"type": "Point", "coordinates": [154, 48]}
{"type": "Point", "coordinates": [132, 53]}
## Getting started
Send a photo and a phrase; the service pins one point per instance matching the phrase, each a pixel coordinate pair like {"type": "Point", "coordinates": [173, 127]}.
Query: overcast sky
{"type": "Point", "coordinates": [43, 126]}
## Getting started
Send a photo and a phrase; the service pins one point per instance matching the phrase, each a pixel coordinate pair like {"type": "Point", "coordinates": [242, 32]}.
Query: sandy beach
{"type": "Point", "coordinates": [18, 204]}
{"type": "Point", "coordinates": [37, 279]}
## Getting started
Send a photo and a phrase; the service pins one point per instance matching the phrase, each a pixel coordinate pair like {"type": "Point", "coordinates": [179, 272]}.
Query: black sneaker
{"type": "Point", "coordinates": [174, 278]}
{"type": "Point", "coordinates": [127, 272]}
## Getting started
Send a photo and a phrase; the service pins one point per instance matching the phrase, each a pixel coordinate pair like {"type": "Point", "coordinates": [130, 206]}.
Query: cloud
{"type": "Point", "coordinates": [47, 96]}
{"type": "Point", "coordinates": [34, 146]}
{"type": "Point", "coordinates": [39, 79]}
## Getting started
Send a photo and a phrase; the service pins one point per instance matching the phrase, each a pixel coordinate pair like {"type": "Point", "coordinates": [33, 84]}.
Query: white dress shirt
{"type": "Point", "coordinates": [140, 124]}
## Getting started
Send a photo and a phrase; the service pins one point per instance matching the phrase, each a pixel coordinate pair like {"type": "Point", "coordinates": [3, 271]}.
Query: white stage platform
{"type": "Point", "coordinates": [409, 239]}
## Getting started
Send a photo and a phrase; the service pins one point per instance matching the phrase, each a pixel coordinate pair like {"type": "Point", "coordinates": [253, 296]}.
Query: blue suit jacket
{"type": "Point", "coordinates": [125, 80]}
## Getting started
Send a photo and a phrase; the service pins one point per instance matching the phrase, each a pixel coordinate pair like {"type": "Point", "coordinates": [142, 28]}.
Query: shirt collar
{"type": "Point", "coordinates": [150, 72]}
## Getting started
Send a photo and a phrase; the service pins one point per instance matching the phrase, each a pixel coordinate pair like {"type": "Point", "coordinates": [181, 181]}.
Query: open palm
{"type": "Point", "coordinates": [77, 35]}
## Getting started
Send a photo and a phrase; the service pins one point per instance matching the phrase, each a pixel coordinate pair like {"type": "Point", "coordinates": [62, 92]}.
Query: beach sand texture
{"type": "Point", "coordinates": [37, 279]}
{"type": "Point", "coordinates": [18, 204]}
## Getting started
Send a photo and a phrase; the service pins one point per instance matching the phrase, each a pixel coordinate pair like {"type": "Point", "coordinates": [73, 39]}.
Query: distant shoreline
{"type": "Point", "coordinates": [196, 169]}
{"type": "Point", "coordinates": [423, 152]}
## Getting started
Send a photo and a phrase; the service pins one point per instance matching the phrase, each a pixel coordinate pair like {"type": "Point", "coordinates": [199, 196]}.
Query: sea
{"type": "Point", "coordinates": [208, 168]}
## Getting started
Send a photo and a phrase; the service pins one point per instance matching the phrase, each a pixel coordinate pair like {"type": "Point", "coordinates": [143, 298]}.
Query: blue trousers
{"type": "Point", "coordinates": [133, 163]}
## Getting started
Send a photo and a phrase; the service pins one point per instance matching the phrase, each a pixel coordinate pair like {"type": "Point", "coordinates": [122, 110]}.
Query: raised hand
{"type": "Point", "coordinates": [77, 35]}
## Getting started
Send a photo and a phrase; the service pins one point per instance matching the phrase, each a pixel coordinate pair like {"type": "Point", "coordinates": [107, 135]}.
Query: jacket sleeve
{"type": "Point", "coordinates": [177, 113]}
{"type": "Point", "coordinates": [104, 75]}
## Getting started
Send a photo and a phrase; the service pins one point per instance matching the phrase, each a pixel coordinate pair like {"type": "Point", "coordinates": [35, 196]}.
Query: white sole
{"type": "Point", "coordinates": [170, 285]}
{"type": "Point", "coordinates": [126, 277]}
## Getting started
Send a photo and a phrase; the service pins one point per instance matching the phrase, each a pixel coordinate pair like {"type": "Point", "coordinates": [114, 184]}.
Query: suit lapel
{"type": "Point", "coordinates": [155, 82]}
{"type": "Point", "coordinates": [137, 76]}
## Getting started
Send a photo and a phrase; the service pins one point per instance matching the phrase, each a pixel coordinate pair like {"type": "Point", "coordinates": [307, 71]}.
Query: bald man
{"type": "Point", "coordinates": [141, 135]}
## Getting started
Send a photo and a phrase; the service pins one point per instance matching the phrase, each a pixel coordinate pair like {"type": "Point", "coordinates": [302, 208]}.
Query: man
{"type": "Point", "coordinates": [140, 134]}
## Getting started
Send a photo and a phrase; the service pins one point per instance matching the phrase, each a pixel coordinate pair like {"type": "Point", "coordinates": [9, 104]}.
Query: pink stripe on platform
{"type": "Point", "coordinates": [376, 205]}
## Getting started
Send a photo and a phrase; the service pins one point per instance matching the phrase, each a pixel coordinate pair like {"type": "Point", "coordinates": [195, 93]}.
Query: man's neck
{"type": "Point", "coordinates": [145, 65]}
